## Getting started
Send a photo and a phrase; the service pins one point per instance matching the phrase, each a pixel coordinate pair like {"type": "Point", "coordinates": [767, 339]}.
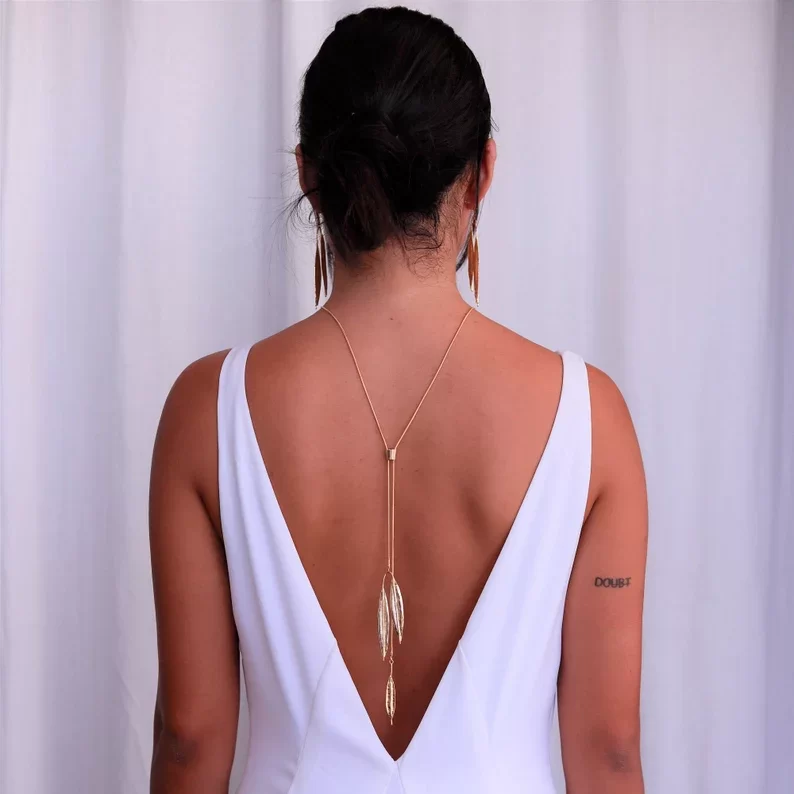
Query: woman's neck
{"type": "Point", "coordinates": [387, 281]}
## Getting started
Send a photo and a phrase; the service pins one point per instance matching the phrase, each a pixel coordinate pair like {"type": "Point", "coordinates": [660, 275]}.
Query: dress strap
{"type": "Point", "coordinates": [231, 417]}
{"type": "Point", "coordinates": [581, 418]}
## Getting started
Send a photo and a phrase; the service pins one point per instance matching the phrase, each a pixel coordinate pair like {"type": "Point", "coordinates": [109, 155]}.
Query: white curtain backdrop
{"type": "Point", "coordinates": [642, 215]}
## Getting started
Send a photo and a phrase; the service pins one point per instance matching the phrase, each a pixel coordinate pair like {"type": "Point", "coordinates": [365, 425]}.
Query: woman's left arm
{"type": "Point", "coordinates": [198, 695]}
{"type": "Point", "coordinates": [599, 680]}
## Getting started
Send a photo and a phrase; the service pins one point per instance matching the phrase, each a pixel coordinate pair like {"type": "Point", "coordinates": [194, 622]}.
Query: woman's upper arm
{"type": "Point", "coordinates": [198, 687]}
{"type": "Point", "coordinates": [599, 681]}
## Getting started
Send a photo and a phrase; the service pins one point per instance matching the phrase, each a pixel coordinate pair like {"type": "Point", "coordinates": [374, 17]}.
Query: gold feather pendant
{"type": "Point", "coordinates": [391, 698]}
{"type": "Point", "coordinates": [383, 622]}
{"type": "Point", "coordinates": [397, 609]}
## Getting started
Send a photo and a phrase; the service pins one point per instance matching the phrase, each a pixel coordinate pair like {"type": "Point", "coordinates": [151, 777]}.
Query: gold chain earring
{"type": "Point", "coordinates": [473, 257]}
{"type": "Point", "coordinates": [320, 265]}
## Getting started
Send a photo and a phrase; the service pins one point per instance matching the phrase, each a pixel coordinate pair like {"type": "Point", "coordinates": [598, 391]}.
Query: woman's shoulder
{"type": "Point", "coordinates": [195, 387]}
{"type": "Point", "coordinates": [187, 427]}
{"type": "Point", "coordinates": [191, 403]}
{"type": "Point", "coordinates": [615, 452]}
{"type": "Point", "coordinates": [614, 437]}
{"type": "Point", "coordinates": [518, 358]}
{"type": "Point", "coordinates": [198, 381]}
{"type": "Point", "coordinates": [523, 352]}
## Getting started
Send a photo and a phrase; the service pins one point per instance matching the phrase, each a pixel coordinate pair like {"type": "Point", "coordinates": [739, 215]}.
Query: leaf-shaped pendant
{"type": "Point", "coordinates": [391, 698]}
{"type": "Point", "coordinates": [397, 609]}
{"type": "Point", "coordinates": [383, 622]}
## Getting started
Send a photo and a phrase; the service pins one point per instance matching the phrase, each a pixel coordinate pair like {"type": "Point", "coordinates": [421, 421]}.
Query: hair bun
{"type": "Point", "coordinates": [360, 167]}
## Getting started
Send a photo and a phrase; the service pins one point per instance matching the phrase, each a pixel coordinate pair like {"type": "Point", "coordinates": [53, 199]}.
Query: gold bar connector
{"type": "Point", "coordinates": [391, 454]}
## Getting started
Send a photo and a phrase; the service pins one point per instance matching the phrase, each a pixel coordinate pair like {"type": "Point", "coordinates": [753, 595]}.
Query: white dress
{"type": "Point", "coordinates": [486, 730]}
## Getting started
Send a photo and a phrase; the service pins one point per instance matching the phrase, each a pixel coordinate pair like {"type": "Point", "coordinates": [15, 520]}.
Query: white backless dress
{"type": "Point", "coordinates": [486, 730]}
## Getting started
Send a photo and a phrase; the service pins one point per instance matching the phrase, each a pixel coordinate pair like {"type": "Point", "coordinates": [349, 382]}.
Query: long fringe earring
{"type": "Point", "coordinates": [320, 265]}
{"type": "Point", "coordinates": [473, 257]}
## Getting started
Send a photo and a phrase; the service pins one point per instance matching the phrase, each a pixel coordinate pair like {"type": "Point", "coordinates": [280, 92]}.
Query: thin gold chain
{"type": "Point", "coordinates": [390, 557]}
{"type": "Point", "coordinates": [391, 471]}
{"type": "Point", "coordinates": [364, 385]}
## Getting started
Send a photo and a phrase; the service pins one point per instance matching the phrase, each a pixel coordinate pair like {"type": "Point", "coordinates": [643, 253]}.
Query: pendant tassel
{"type": "Point", "coordinates": [396, 612]}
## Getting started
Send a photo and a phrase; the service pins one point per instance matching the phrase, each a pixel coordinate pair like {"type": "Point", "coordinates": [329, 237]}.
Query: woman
{"type": "Point", "coordinates": [415, 526]}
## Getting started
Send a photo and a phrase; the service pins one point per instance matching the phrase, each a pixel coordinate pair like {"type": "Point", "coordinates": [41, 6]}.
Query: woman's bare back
{"type": "Point", "coordinates": [464, 467]}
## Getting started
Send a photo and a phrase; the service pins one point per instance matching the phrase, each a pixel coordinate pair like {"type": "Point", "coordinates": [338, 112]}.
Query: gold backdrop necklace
{"type": "Point", "coordinates": [391, 613]}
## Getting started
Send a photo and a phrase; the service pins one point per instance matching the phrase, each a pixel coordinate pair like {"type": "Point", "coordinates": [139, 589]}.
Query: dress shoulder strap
{"type": "Point", "coordinates": [231, 420]}
{"type": "Point", "coordinates": [232, 380]}
{"type": "Point", "coordinates": [578, 440]}
{"type": "Point", "coordinates": [578, 386]}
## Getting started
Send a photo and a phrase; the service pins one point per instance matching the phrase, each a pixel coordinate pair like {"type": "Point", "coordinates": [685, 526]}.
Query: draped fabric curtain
{"type": "Point", "coordinates": [642, 215]}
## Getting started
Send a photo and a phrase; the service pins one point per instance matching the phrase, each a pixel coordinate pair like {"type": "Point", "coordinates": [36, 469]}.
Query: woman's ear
{"type": "Point", "coordinates": [487, 164]}
{"type": "Point", "coordinates": [307, 177]}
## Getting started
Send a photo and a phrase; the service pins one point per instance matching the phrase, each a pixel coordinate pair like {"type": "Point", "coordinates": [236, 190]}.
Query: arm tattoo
{"type": "Point", "coordinates": [603, 581]}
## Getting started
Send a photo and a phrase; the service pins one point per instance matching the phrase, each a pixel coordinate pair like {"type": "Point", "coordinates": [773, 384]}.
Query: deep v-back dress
{"type": "Point", "coordinates": [486, 730]}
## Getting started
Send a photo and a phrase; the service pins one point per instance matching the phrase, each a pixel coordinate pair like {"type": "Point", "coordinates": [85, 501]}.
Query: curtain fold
{"type": "Point", "coordinates": [642, 215]}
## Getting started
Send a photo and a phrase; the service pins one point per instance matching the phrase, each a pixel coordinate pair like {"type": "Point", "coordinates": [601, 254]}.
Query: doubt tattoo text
{"type": "Point", "coordinates": [605, 581]}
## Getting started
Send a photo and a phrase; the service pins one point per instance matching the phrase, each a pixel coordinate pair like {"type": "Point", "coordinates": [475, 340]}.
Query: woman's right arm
{"type": "Point", "coordinates": [195, 724]}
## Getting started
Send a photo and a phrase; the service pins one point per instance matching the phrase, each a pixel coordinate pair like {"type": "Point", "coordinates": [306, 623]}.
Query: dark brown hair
{"type": "Point", "coordinates": [394, 109]}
